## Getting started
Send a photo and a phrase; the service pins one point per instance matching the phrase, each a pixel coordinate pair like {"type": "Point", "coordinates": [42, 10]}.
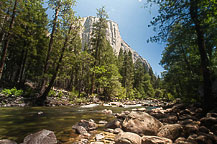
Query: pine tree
{"type": "Point", "coordinates": [68, 19]}
{"type": "Point", "coordinates": [7, 38]}
{"type": "Point", "coordinates": [128, 73]}
{"type": "Point", "coordinates": [98, 41]}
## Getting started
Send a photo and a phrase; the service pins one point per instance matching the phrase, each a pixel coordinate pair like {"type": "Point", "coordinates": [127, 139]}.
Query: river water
{"type": "Point", "coordinates": [17, 122]}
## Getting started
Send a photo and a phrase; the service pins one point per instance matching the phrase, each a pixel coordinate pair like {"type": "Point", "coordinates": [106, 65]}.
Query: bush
{"type": "Point", "coordinates": [13, 91]}
{"type": "Point", "coordinates": [170, 97]}
{"type": "Point", "coordinates": [51, 93]}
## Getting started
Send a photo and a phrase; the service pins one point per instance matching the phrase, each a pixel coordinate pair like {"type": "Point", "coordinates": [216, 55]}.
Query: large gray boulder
{"type": "Point", "coordinates": [41, 137]}
{"type": "Point", "coordinates": [141, 123]}
{"type": "Point", "coordinates": [170, 131]}
{"type": "Point", "coordinates": [6, 141]}
{"type": "Point", "coordinates": [127, 138]}
{"type": "Point", "coordinates": [155, 140]}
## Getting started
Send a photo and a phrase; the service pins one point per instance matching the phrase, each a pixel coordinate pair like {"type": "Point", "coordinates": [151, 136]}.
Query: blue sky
{"type": "Point", "coordinates": [133, 20]}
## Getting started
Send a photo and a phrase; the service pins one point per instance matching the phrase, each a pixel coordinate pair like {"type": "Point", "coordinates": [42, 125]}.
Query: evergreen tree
{"type": "Point", "coordinates": [67, 25]}
{"type": "Point", "coordinates": [198, 16]}
{"type": "Point", "coordinates": [98, 41]}
{"type": "Point", "coordinates": [7, 38]}
{"type": "Point", "coordinates": [128, 73]}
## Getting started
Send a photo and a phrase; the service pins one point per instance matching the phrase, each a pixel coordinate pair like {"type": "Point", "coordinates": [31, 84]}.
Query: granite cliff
{"type": "Point", "coordinates": [113, 36]}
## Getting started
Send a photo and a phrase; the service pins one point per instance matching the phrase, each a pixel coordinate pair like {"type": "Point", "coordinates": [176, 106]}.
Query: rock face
{"type": "Point", "coordinates": [113, 36]}
{"type": "Point", "coordinates": [141, 123]}
{"type": "Point", "coordinates": [41, 137]}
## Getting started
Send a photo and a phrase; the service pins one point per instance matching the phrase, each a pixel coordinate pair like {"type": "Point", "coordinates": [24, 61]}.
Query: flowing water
{"type": "Point", "coordinates": [16, 122]}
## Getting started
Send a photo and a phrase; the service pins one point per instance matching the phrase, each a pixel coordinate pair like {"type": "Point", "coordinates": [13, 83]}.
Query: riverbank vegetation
{"type": "Point", "coordinates": [38, 53]}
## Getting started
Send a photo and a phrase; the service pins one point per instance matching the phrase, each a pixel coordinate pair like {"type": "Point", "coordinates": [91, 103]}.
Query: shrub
{"type": "Point", "coordinates": [14, 91]}
{"type": "Point", "coordinates": [51, 93]}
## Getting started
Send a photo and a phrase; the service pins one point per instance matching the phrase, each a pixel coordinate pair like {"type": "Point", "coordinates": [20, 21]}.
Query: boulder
{"type": "Point", "coordinates": [208, 122]}
{"type": "Point", "coordinates": [214, 129]}
{"type": "Point", "coordinates": [211, 115]}
{"type": "Point", "coordinates": [170, 131]}
{"type": "Point", "coordinates": [79, 129]}
{"type": "Point", "coordinates": [203, 140]}
{"type": "Point", "coordinates": [181, 140]}
{"type": "Point", "coordinates": [141, 123]}
{"type": "Point", "coordinates": [41, 137]}
{"type": "Point", "coordinates": [178, 107]}
{"type": "Point", "coordinates": [192, 138]}
{"type": "Point", "coordinates": [187, 116]}
{"type": "Point", "coordinates": [6, 141]}
{"type": "Point", "coordinates": [186, 121]}
{"type": "Point", "coordinates": [203, 129]}
{"type": "Point", "coordinates": [190, 129]}
{"type": "Point", "coordinates": [155, 140]}
{"type": "Point", "coordinates": [170, 119]}
{"type": "Point", "coordinates": [113, 124]}
{"type": "Point", "coordinates": [127, 138]}
{"type": "Point", "coordinates": [106, 111]}
{"type": "Point", "coordinates": [88, 125]}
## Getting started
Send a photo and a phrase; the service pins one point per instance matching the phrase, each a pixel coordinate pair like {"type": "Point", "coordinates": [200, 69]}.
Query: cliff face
{"type": "Point", "coordinates": [112, 35]}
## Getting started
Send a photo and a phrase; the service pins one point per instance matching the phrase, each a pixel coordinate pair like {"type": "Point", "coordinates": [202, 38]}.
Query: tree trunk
{"type": "Point", "coordinates": [50, 47]}
{"type": "Point", "coordinates": [7, 40]}
{"type": "Point", "coordinates": [23, 67]}
{"type": "Point", "coordinates": [207, 84]}
{"type": "Point", "coordinates": [43, 97]}
{"type": "Point", "coordinates": [19, 67]}
{"type": "Point", "coordinates": [2, 34]}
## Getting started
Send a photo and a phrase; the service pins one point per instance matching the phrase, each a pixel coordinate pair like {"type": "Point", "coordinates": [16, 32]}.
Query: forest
{"type": "Point", "coordinates": [48, 53]}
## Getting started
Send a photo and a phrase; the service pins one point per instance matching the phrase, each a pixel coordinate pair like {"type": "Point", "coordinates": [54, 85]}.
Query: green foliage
{"type": "Point", "coordinates": [52, 93]}
{"type": "Point", "coordinates": [158, 93]}
{"type": "Point", "coordinates": [190, 54]}
{"type": "Point", "coordinates": [12, 92]}
{"type": "Point", "coordinates": [170, 96]}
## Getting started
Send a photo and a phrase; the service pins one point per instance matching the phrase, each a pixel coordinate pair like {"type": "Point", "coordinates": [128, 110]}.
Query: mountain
{"type": "Point", "coordinates": [112, 35]}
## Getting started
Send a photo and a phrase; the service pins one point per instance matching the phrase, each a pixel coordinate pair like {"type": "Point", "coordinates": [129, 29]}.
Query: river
{"type": "Point", "coordinates": [18, 122]}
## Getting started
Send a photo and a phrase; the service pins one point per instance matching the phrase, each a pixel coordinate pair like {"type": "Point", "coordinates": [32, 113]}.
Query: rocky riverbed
{"type": "Point", "coordinates": [177, 123]}
{"type": "Point", "coordinates": [173, 123]}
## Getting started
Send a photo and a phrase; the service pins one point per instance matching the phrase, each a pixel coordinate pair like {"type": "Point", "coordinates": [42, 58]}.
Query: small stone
{"type": "Point", "coordinates": [117, 131]}
{"type": "Point", "coordinates": [40, 113]}
{"type": "Point", "coordinates": [109, 130]}
{"type": "Point", "coordinates": [97, 143]}
{"type": "Point", "coordinates": [103, 122]}
{"type": "Point", "coordinates": [79, 129]}
{"type": "Point", "coordinates": [6, 141]}
{"type": "Point", "coordinates": [99, 137]}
